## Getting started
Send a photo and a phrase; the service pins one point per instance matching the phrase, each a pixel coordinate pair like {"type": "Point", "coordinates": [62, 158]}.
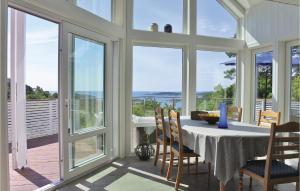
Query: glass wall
{"type": "Point", "coordinates": [214, 20]}
{"type": "Point", "coordinates": [295, 83]}
{"type": "Point", "coordinates": [157, 79]}
{"type": "Point", "coordinates": [263, 70]}
{"type": "Point", "coordinates": [216, 79]}
{"type": "Point", "coordinates": [162, 12]}
{"type": "Point", "coordinates": [101, 8]}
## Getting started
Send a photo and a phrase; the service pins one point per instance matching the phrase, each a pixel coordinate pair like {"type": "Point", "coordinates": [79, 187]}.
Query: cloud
{"type": "Point", "coordinates": [42, 36]}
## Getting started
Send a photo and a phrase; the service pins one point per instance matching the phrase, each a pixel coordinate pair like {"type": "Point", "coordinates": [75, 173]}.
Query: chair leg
{"type": "Point", "coordinates": [179, 172]}
{"type": "Point", "coordinates": [209, 173]}
{"type": "Point", "coordinates": [196, 164]}
{"type": "Point", "coordinates": [297, 186]}
{"type": "Point", "coordinates": [268, 187]}
{"type": "Point", "coordinates": [250, 182]}
{"type": "Point", "coordinates": [170, 165]}
{"type": "Point", "coordinates": [241, 180]}
{"type": "Point", "coordinates": [188, 159]}
{"type": "Point", "coordinates": [156, 153]}
{"type": "Point", "coordinates": [163, 158]}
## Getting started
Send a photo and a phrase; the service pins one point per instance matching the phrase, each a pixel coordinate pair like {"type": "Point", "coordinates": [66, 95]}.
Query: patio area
{"type": "Point", "coordinates": [43, 165]}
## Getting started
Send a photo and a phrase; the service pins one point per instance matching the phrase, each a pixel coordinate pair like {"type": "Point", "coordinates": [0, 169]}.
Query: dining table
{"type": "Point", "coordinates": [226, 149]}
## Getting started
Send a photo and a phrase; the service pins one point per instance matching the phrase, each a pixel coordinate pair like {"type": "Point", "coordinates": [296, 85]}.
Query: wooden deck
{"type": "Point", "coordinates": [43, 165]}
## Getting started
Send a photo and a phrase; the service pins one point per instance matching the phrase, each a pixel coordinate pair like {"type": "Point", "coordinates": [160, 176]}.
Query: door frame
{"type": "Point", "coordinates": [4, 163]}
{"type": "Point", "coordinates": [65, 138]}
{"type": "Point", "coordinates": [287, 95]}
{"type": "Point", "coordinates": [254, 78]}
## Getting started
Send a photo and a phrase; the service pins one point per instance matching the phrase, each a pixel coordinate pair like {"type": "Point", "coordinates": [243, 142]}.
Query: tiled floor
{"type": "Point", "coordinates": [43, 165]}
{"type": "Point", "coordinates": [131, 174]}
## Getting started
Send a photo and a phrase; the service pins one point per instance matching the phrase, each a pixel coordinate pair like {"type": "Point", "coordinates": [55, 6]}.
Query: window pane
{"type": "Point", "coordinates": [263, 67]}
{"type": "Point", "coordinates": [86, 149]}
{"type": "Point", "coordinates": [101, 8]}
{"type": "Point", "coordinates": [162, 12]}
{"type": "Point", "coordinates": [295, 84]}
{"type": "Point", "coordinates": [216, 79]}
{"type": "Point", "coordinates": [87, 107]}
{"type": "Point", "coordinates": [157, 79]}
{"type": "Point", "coordinates": [214, 20]}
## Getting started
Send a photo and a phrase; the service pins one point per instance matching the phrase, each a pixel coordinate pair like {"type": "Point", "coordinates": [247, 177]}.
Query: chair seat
{"type": "Point", "coordinates": [185, 148]}
{"type": "Point", "coordinates": [278, 169]}
{"type": "Point", "coordinates": [161, 138]}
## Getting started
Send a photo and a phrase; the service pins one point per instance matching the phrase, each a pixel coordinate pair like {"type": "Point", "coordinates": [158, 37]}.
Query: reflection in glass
{"type": "Point", "coordinates": [216, 79]}
{"type": "Point", "coordinates": [295, 84]}
{"type": "Point", "coordinates": [87, 92]}
{"type": "Point", "coordinates": [86, 149]}
{"type": "Point", "coordinates": [263, 68]}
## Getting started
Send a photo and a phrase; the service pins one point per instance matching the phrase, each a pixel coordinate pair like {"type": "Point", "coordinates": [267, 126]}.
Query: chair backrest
{"type": "Point", "coordinates": [266, 118]}
{"type": "Point", "coordinates": [234, 113]}
{"type": "Point", "coordinates": [283, 144]}
{"type": "Point", "coordinates": [175, 129]}
{"type": "Point", "coordinates": [160, 122]}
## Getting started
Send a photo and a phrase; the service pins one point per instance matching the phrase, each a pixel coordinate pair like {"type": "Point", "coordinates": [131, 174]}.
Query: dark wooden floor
{"type": "Point", "coordinates": [43, 165]}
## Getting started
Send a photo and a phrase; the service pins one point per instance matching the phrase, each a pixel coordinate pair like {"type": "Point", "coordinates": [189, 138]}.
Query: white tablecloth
{"type": "Point", "coordinates": [227, 149]}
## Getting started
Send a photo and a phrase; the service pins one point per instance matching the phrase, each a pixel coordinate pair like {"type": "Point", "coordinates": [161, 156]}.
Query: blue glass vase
{"type": "Point", "coordinates": [223, 116]}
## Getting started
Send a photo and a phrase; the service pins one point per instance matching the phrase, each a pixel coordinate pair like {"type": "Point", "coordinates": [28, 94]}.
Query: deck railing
{"type": "Point", "coordinates": [41, 118]}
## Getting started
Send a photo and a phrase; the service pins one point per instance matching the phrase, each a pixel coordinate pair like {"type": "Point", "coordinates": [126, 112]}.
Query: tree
{"type": "Point", "coordinates": [230, 74]}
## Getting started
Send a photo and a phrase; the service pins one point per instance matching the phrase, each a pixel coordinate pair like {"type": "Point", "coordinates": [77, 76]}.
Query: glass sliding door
{"type": "Point", "coordinates": [263, 87]}
{"type": "Point", "coordinates": [86, 133]}
{"type": "Point", "coordinates": [293, 61]}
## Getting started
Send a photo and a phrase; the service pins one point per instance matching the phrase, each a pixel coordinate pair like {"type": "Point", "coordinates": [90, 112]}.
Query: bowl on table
{"type": "Point", "coordinates": [211, 118]}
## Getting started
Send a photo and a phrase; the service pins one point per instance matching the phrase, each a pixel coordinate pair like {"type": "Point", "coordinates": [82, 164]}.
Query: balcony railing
{"type": "Point", "coordinates": [41, 118]}
{"type": "Point", "coordinates": [144, 106]}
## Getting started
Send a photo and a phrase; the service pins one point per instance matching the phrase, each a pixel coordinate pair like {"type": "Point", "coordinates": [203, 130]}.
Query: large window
{"type": "Point", "coordinates": [295, 83]}
{"type": "Point", "coordinates": [214, 20]}
{"type": "Point", "coordinates": [162, 12]}
{"type": "Point", "coordinates": [216, 79]}
{"type": "Point", "coordinates": [157, 79]}
{"type": "Point", "coordinates": [263, 70]}
{"type": "Point", "coordinates": [101, 8]}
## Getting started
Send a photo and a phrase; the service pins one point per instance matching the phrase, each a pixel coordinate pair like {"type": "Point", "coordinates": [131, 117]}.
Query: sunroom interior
{"type": "Point", "coordinates": [92, 89]}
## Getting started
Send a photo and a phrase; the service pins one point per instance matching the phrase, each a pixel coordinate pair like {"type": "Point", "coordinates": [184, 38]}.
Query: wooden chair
{"type": "Point", "coordinates": [234, 113]}
{"type": "Point", "coordinates": [266, 118]}
{"type": "Point", "coordinates": [273, 171]}
{"type": "Point", "coordinates": [161, 137]}
{"type": "Point", "coordinates": [178, 149]}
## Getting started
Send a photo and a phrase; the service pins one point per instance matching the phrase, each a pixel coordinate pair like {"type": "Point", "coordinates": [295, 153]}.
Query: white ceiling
{"type": "Point", "coordinates": [248, 3]}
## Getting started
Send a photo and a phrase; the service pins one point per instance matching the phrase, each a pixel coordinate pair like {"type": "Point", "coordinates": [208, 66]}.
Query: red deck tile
{"type": "Point", "coordinates": [43, 165]}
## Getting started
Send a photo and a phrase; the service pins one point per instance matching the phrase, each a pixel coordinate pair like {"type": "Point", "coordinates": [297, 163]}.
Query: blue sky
{"type": "Point", "coordinates": [212, 20]}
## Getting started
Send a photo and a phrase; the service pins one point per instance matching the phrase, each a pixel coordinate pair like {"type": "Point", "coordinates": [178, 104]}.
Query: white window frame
{"type": "Point", "coordinates": [254, 78]}
{"type": "Point", "coordinates": [64, 93]}
{"type": "Point", "coordinates": [287, 102]}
